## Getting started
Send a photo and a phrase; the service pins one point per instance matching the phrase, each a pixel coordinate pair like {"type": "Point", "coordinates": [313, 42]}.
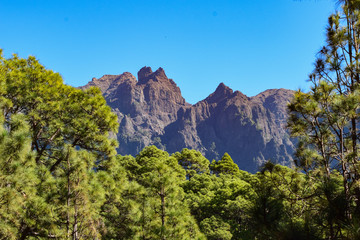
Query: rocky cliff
{"type": "Point", "coordinates": [151, 111]}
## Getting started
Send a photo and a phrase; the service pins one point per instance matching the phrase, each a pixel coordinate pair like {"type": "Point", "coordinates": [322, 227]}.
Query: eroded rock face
{"type": "Point", "coordinates": [151, 111]}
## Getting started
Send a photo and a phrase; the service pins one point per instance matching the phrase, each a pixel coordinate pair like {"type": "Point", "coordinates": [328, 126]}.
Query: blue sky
{"type": "Point", "coordinates": [250, 45]}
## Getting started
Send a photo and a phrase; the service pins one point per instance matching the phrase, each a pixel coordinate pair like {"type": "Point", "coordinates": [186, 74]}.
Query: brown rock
{"type": "Point", "coordinates": [153, 111]}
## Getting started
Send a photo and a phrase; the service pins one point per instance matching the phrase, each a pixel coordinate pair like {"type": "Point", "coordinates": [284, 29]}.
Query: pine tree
{"type": "Point", "coordinates": [326, 119]}
{"type": "Point", "coordinates": [225, 165]}
{"type": "Point", "coordinates": [121, 209]}
{"type": "Point", "coordinates": [225, 199]}
{"type": "Point", "coordinates": [17, 176]}
{"type": "Point", "coordinates": [192, 161]}
{"type": "Point", "coordinates": [80, 195]}
{"type": "Point", "coordinates": [162, 213]}
{"type": "Point", "coordinates": [57, 114]}
{"type": "Point", "coordinates": [215, 228]}
{"type": "Point", "coordinates": [68, 135]}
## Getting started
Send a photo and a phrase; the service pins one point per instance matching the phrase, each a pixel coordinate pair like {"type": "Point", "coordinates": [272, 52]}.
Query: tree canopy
{"type": "Point", "coordinates": [60, 176]}
{"type": "Point", "coordinates": [326, 122]}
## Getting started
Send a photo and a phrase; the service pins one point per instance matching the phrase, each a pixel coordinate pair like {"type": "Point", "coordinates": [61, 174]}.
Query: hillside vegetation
{"type": "Point", "coordinates": [61, 178]}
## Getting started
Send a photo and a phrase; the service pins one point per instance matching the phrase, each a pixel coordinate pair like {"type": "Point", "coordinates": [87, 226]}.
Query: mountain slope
{"type": "Point", "coordinates": [151, 110]}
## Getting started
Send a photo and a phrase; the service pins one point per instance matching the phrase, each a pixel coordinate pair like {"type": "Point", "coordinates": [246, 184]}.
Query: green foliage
{"type": "Point", "coordinates": [192, 161]}
{"type": "Point", "coordinates": [225, 165]}
{"type": "Point", "coordinates": [162, 212]}
{"type": "Point", "coordinates": [216, 229]}
{"type": "Point", "coordinates": [80, 195]}
{"type": "Point", "coordinates": [326, 122]}
{"type": "Point", "coordinates": [227, 197]}
{"type": "Point", "coordinates": [57, 114]}
{"type": "Point", "coordinates": [285, 205]}
{"type": "Point", "coordinates": [53, 137]}
{"type": "Point", "coordinates": [60, 177]}
{"type": "Point", "coordinates": [17, 176]}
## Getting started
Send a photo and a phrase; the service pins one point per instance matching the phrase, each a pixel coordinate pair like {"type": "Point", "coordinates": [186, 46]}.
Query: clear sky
{"type": "Point", "coordinates": [250, 45]}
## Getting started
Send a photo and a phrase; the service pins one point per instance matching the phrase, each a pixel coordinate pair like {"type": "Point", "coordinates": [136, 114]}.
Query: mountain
{"type": "Point", "coordinates": [152, 111]}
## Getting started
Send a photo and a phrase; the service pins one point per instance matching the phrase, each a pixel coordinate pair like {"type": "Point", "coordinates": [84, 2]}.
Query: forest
{"type": "Point", "coordinates": [61, 178]}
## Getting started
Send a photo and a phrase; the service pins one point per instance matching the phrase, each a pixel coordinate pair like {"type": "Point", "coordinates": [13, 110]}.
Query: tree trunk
{"type": "Point", "coordinates": [75, 231]}
{"type": "Point", "coordinates": [68, 195]}
{"type": "Point", "coordinates": [162, 195]}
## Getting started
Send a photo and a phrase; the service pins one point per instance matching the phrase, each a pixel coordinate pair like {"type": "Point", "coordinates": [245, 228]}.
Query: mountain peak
{"type": "Point", "coordinates": [223, 88]}
{"type": "Point", "coordinates": [144, 73]}
{"type": "Point", "coordinates": [160, 73]}
{"type": "Point", "coordinates": [222, 92]}
{"type": "Point", "coordinates": [153, 111]}
{"type": "Point", "coordinates": [108, 80]}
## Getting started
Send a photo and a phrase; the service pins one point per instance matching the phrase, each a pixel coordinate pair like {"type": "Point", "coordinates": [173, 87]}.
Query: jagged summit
{"type": "Point", "coordinates": [152, 111]}
{"type": "Point", "coordinates": [222, 92]}
{"type": "Point", "coordinates": [160, 72]}
{"type": "Point", "coordinates": [144, 73]}
{"type": "Point", "coordinates": [109, 81]}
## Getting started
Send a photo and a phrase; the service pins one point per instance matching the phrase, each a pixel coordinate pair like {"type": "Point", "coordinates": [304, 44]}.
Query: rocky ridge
{"type": "Point", "coordinates": [152, 111]}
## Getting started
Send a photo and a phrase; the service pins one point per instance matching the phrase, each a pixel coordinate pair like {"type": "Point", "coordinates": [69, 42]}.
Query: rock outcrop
{"type": "Point", "coordinates": [151, 111]}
